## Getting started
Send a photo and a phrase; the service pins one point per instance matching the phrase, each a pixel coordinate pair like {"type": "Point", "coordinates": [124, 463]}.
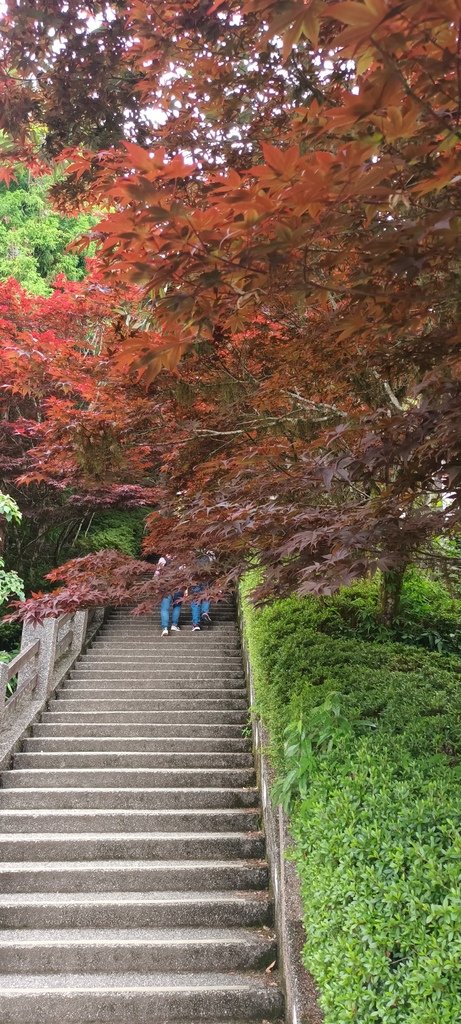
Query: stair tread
{"type": "Point", "coordinates": [186, 937]}
{"type": "Point", "coordinates": [155, 936]}
{"type": "Point", "coordinates": [151, 898]}
{"type": "Point", "coordinates": [56, 866]}
{"type": "Point", "coordinates": [129, 812]}
{"type": "Point", "coordinates": [55, 837]}
{"type": "Point", "coordinates": [115, 982]}
{"type": "Point", "coordinates": [127, 789]}
{"type": "Point", "coordinates": [158, 770]}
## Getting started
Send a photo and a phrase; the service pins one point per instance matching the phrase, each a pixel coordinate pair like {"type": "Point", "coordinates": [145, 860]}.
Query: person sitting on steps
{"type": "Point", "coordinates": [200, 608]}
{"type": "Point", "coordinates": [170, 603]}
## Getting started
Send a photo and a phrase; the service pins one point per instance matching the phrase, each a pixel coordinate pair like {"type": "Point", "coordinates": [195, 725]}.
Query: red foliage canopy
{"type": "Point", "coordinates": [292, 225]}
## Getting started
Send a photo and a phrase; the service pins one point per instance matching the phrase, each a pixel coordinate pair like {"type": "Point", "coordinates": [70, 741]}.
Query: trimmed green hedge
{"type": "Point", "coordinates": [429, 615]}
{"type": "Point", "coordinates": [366, 739]}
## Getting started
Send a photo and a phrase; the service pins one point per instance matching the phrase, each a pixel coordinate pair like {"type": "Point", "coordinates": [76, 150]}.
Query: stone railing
{"type": "Point", "coordinates": [47, 653]}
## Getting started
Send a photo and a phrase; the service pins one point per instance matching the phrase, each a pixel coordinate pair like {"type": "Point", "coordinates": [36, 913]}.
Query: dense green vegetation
{"type": "Point", "coordinates": [34, 238]}
{"type": "Point", "coordinates": [365, 735]}
{"type": "Point", "coordinates": [429, 614]}
{"type": "Point", "coordinates": [115, 529]}
{"type": "Point", "coordinates": [118, 530]}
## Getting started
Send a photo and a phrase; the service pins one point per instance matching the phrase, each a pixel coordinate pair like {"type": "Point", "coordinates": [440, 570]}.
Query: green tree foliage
{"type": "Point", "coordinates": [11, 584]}
{"type": "Point", "coordinates": [34, 238]}
{"type": "Point", "coordinates": [118, 530]}
{"type": "Point", "coordinates": [366, 740]}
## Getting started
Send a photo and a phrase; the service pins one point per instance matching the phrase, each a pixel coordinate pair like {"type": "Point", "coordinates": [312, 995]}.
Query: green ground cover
{"type": "Point", "coordinates": [365, 735]}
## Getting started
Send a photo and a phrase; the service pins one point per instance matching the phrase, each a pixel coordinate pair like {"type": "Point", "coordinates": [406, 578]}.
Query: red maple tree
{"type": "Point", "coordinates": [291, 222]}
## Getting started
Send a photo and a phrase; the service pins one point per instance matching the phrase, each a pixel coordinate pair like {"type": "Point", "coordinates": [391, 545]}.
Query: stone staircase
{"type": "Point", "coordinates": [133, 880]}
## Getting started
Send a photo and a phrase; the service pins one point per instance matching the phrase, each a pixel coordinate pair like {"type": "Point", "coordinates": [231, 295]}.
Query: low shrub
{"type": "Point", "coordinates": [366, 739]}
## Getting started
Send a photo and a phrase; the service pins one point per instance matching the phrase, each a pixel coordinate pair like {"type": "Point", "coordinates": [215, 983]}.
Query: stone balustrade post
{"type": "Point", "coordinates": [47, 633]}
{"type": "Point", "coordinates": [79, 628]}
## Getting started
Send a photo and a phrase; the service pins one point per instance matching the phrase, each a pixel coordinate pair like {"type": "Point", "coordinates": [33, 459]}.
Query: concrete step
{"type": "Point", "coordinates": [136, 910]}
{"type": "Point", "coordinates": [123, 845]}
{"type": "Point", "coordinates": [217, 615]}
{"type": "Point", "coordinates": [132, 876]}
{"type": "Point", "coordinates": [170, 675]}
{"type": "Point", "coordinates": [111, 690]}
{"type": "Point", "coordinates": [152, 658]}
{"type": "Point", "coordinates": [167, 654]}
{"type": "Point", "coordinates": [182, 643]}
{"type": "Point", "coordinates": [185, 647]}
{"type": "Point", "coordinates": [45, 820]}
{"type": "Point", "coordinates": [130, 841]}
{"type": "Point", "coordinates": [220, 627]}
{"type": "Point", "coordinates": [138, 950]}
{"type": "Point", "coordinates": [61, 711]}
{"type": "Point", "coordinates": [114, 778]}
{"type": "Point", "coordinates": [140, 728]}
{"type": "Point", "coordinates": [137, 743]}
{"type": "Point", "coordinates": [218, 623]}
{"type": "Point", "coordinates": [146, 689]}
{"type": "Point", "coordinates": [140, 998]}
{"type": "Point", "coordinates": [140, 798]}
{"type": "Point", "coordinates": [154, 633]}
{"type": "Point", "coordinates": [217, 611]}
{"type": "Point", "coordinates": [167, 659]}
{"type": "Point", "coordinates": [213, 681]}
{"type": "Point", "coordinates": [118, 631]}
{"type": "Point", "coordinates": [222, 605]}
{"type": "Point", "coordinates": [74, 700]}
{"type": "Point", "coordinates": [175, 678]}
{"type": "Point", "coordinates": [176, 651]}
{"type": "Point", "coordinates": [227, 641]}
{"type": "Point", "coordinates": [130, 759]}
{"type": "Point", "coordinates": [166, 697]}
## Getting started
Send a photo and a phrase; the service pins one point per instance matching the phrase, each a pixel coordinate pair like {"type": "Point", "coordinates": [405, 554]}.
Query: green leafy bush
{"type": "Point", "coordinates": [429, 615]}
{"type": "Point", "coordinates": [116, 529]}
{"type": "Point", "coordinates": [10, 636]}
{"type": "Point", "coordinates": [366, 740]}
{"type": "Point", "coordinates": [34, 238]}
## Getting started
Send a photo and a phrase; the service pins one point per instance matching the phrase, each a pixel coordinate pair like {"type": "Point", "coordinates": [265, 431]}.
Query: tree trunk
{"type": "Point", "coordinates": [391, 592]}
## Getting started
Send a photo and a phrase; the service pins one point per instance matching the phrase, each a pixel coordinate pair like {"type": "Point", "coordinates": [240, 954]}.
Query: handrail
{"type": "Point", "coordinates": [9, 669]}
{"type": "Point", "coordinates": [48, 651]}
{"type": "Point", "coordinates": [21, 659]}
{"type": "Point", "coordinates": [64, 619]}
{"type": "Point", "coordinates": [64, 642]}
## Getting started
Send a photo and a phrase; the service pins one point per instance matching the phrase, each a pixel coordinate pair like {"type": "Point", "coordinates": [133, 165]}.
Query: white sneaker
{"type": "Point", "coordinates": [164, 632]}
{"type": "Point", "coordinates": [175, 629]}
{"type": "Point", "coordinates": [195, 628]}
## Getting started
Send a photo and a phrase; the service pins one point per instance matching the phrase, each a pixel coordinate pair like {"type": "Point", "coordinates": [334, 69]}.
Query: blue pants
{"type": "Point", "coordinates": [165, 607]}
{"type": "Point", "coordinates": [198, 608]}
